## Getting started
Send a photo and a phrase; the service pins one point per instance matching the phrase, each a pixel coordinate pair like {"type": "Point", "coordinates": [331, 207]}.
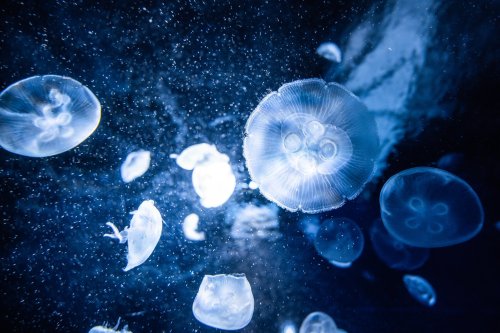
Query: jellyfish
{"type": "Point", "coordinates": [190, 228]}
{"type": "Point", "coordinates": [224, 301]}
{"type": "Point", "coordinates": [105, 329]}
{"type": "Point", "coordinates": [340, 241]}
{"type": "Point", "coordinates": [420, 289]}
{"type": "Point", "coordinates": [394, 253]}
{"type": "Point", "coordinates": [46, 115]}
{"type": "Point", "coordinates": [330, 51]}
{"type": "Point", "coordinates": [250, 222]}
{"type": "Point", "coordinates": [318, 322]}
{"type": "Point", "coordinates": [428, 207]}
{"type": "Point", "coordinates": [136, 164]}
{"type": "Point", "coordinates": [213, 179]}
{"type": "Point", "coordinates": [310, 146]}
{"type": "Point", "coordinates": [288, 327]}
{"type": "Point", "coordinates": [143, 234]}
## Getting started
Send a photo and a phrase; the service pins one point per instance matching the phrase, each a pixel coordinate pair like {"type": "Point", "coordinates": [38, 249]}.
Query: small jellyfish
{"type": "Point", "coordinates": [394, 253]}
{"type": "Point", "coordinates": [136, 164]}
{"type": "Point", "coordinates": [143, 234]}
{"type": "Point", "coordinates": [428, 207]}
{"type": "Point", "coordinates": [340, 241]}
{"type": "Point", "coordinates": [451, 162]}
{"type": "Point", "coordinates": [288, 327]}
{"type": "Point", "coordinates": [190, 228]}
{"type": "Point", "coordinates": [420, 289]}
{"type": "Point", "coordinates": [46, 115]}
{"type": "Point", "coordinates": [330, 51]}
{"type": "Point", "coordinates": [105, 329]}
{"type": "Point", "coordinates": [310, 146]}
{"type": "Point", "coordinates": [224, 301]}
{"type": "Point", "coordinates": [318, 322]}
{"type": "Point", "coordinates": [251, 223]}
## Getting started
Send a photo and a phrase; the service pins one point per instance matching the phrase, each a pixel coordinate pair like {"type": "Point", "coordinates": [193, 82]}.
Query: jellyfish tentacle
{"type": "Point", "coordinates": [120, 235]}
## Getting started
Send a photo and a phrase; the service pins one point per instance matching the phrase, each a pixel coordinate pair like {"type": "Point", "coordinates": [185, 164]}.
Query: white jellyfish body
{"type": "Point", "coordinates": [224, 301]}
{"type": "Point", "coordinates": [135, 165]}
{"type": "Point", "coordinates": [46, 115]}
{"type": "Point", "coordinates": [190, 228]}
{"type": "Point", "coordinates": [105, 329]}
{"type": "Point", "coordinates": [329, 51]}
{"type": "Point", "coordinates": [213, 178]}
{"type": "Point", "coordinates": [310, 146]}
{"type": "Point", "coordinates": [420, 289]}
{"type": "Point", "coordinates": [143, 234]}
{"type": "Point", "coordinates": [319, 322]}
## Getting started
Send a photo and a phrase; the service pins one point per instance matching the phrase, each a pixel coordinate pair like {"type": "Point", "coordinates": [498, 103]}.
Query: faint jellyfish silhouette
{"type": "Point", "coordinates": [135, 165]}
{"type": "Point", "coordinates": [340, 241]}
{"type": "Point", "coordinates": [428, 207]}
{"type": "Point", "coordinates": [224, 301]}
{"type": "Point", "coordinates": [190, 228]}
{"type": "Point", "coordinates": [46, 115]}
{"type": "Point", "coordinates": [420, 289]}
{"type": "Point", "coordinates": [310, 146]}
{"type": "Point", "coordinates": [105, 329]}
{"type": "Point", "coordinates": [318, 322]}
{"type": "Point", "coordinates": [143, 234]}
{"type": "Point", "coordinates": [309, 225]}
{"type": "Point", "coordinates": [329, 51]}
{"type": "Point", "coordinates": [250, 223]}
{"type": "Point", "coordinates": [394, 253]}
{"type": "Point", "coordinates": [451, 162]}
{"type": "Point", "coordinates": [288, 327]}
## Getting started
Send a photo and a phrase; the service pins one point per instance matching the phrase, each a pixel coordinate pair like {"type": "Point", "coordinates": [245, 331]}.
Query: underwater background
{"type": "Point", "coordinates": [170, 74]}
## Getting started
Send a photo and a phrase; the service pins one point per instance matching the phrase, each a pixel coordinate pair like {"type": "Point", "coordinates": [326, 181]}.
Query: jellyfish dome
{"type": "Point", "coordinates": [310, 146]}
{"type": "Point", "coordinates": [339, 241]}
{"type": "Point", "coordinates": [429, 207]}
{"type": "Point", "coordinates": [46, 115]}
{"type": "Point", "coordinates": [318, 322]}
{"type": "Point", "coordinates": [420, 289]}
{"type": "Point", "coordinates": [224, 301]}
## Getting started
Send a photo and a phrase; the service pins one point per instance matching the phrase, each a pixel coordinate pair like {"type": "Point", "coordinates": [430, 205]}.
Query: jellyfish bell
{"type": "Point", "coordinates": [310, 146]}
{"type": "Point", "coordinates": [190, 228]}
{"type": "Point", "coordinates": [318, 322]}
{"type": "Point", "coordinates": [135, 165]}
{"type": "Point", "coordinates": [329, 51]}
{"type": "Point", "coordinates": [429, 207]}
{"type": "Point", "coordinates": [420, 289]}
{"type": "Point", "coordinates": [46, 115]}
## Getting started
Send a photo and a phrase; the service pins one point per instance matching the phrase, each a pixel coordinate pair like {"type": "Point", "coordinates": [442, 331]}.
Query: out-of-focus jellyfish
{"type": "Point", "coordinates": [105, 329]}
{"type": "Point", "coordinates": [213, 178]}
{"type": "Point", "coordinates": [136, 164]}
{"type": "Point", "coordinates": [309, 224]}
{"type": "Point", "coordinates": [46, 115]}
{"type": "Point", "coordinates": [340, 241]}
{"type": "Point", "coordinates": [394, 253]}
{"type": "Point", "coordinates": [329, 51]}
{"type": "Point", "coordinates": [310, 146]}
{"type": "Point", "coordinates": [428, 207]}
{"type": "Point", "coordinates": [251, 222]}
{"type": "Point", "coordinates": [190, 228]}
{"type": "Point", "coordinates": [318, 322]}
{"type": "Point", "coordinates": [288, 327]}
{"type": "Point", "coordinates": [224, 301]}
{"type": "Point", "coordinates": [420, 289]}
{"type": "Point", "coordinates": [143, 234]}
{"type": "Point", "coordinates": [451, 161]}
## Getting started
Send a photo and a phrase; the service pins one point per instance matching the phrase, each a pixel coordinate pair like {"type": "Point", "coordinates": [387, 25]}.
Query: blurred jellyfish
{"type": "Point", "coordinates": [330, 51]}
{"type": "Point", "coordinates": [213, 178]}
{"type": "Point", "coordinates": [143, 234]}
{"type": "Point", "coordinates": [310, 146]}
{"type": "Point", "coordinates": [288, 327]}
{"type": "Point", "coordinates": [451, 162]}
{"type": "Point", "coordinates": [318, 322]}
{"type": "Point", "coordinates": [428, 207]}
{"type": "Point", "coordinates": [251, 222]}
{"type": "Point", "coordinates": [46, 115]}
{"type": "Point", "coordinates": [224, 301]}
{"type": "Point", "coordinates": [309, 224]}
{"type": "Point", "coordinates": [190, 228]}
{"type": "Point", "coordinates": [420, 289]}
{"type": "Point", "coordinates": [104, 329]}
{"type": "Point", "coordinates": [340, 241]}
{"type": "Point", "coordinates": [136, 164]}
{"type": "Point", "coordinates": [394, 253]}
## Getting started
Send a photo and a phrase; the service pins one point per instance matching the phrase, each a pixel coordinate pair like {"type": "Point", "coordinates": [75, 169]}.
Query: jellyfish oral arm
{"type": "Point", "coordinates": [120, 235]}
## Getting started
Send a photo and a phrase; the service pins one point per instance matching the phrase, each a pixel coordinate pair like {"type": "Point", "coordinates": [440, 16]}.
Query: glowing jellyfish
{"type": "Point", "coordinates": [318, 322]}
{"type": "Point", "coordinates": [213, 178]}
{"type": "Point", "coordinates": [251, 222]}
{"type": "Point", "coordinates": [136, 164]}
{"type": "Point", "coordinates": [143, 234]}
{"type": "Point", "coordinates": [394, 253]}
{"type": "Point", "coordinates": [105, 329]}
{"type": "Point", "coordinates": [190, 228]}
{"type": "Point", "coordinates": [330, 51]}
{"type": "Point", "coordinates": [288, 327]}
{"type": "Point", "coordinates": [340, 241]}
{"type": "Point", "coordinates": [224, 301]}
{"type": "Point", "coordinates": [46, 115]}
{"type": "Point", "coordinates": [420, 289]}
{"type": "Point", "coordinates": [428, 207]}
{"type": "Point", "coordinates": [310, 146]}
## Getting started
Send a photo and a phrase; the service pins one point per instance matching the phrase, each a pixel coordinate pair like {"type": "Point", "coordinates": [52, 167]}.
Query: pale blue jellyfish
{"type": "Point", "coordinates": [224, 301]}
{"type": "Point", "coordinates": [420, 289]}
{"type": "Point", "coordinates": [394, 253]}
{"type": "Point", "coordinates": [340, 241]}
{"type": "Point", "coordinates": [329, 51]}
{"type": "Point", "coordinates": [135, 165]}
{"type": "Point", "coordinates": [319, 322]}
{"type": "Point", "coordinates": [429, 207]}
{"type": "Point", "coordinates": [46, 115]}
{"type": "Point", "coordinates": [105, 329]}
{"type": "Point", "coordinates": [310, 146]}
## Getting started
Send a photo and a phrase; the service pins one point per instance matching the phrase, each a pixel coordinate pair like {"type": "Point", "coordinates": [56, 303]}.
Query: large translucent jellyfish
{"type": "Point", "coordinates": [330, 51]}
{"type": "Point", "coordinates": [190, 228]}
{"type": "Point", "coordinates": [213, 178]}
{"type": "Point", "coordinates": [143, 234]}
{"type": "Point", "coordinates": [105, 329]}
{"type": "Point", "coordinates": [340, 241]}
{"type": "Point", "coordinates": [319, 322]}
{"type": "Point", "coordinates": [310, 146]}
{"type": "Point", "coordinates": [428, 207]}
{"type": "Point", "coordinates": [224, 301]}
{"type": "Point", "coordinates": [420, 289]}
{"type": "Point", "coordinates": [46, 115]}
{"type": "Point", "coordinates": [394, 253]}
{"type": "Point", "coordinates": [135, 165]}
